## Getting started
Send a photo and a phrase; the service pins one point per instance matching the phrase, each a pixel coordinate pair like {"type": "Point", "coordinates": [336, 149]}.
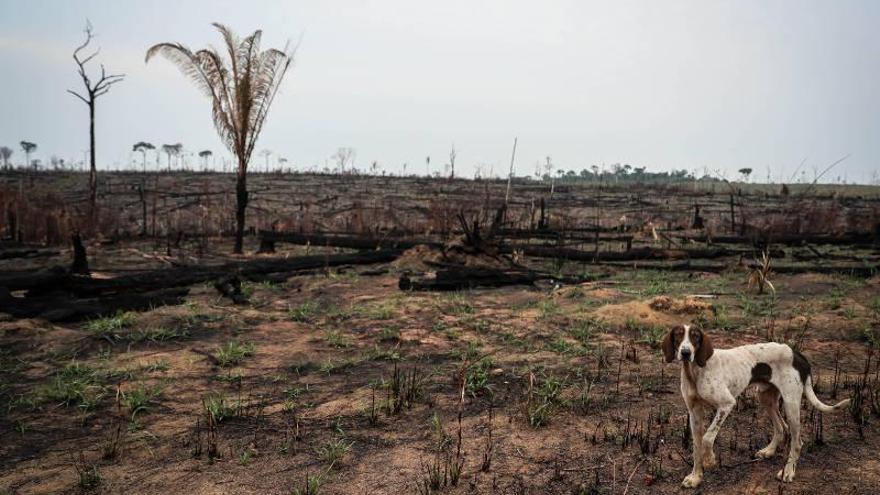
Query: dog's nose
{"type": "Point", "coordinates": [685, 354]}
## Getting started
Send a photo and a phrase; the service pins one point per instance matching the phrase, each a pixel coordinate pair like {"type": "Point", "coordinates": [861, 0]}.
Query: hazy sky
{"type": "Point", "coordinates": [672, 84]}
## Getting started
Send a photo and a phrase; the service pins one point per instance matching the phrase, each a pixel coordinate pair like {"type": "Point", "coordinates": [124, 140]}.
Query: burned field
{"type": "Point", "coordinates": [401, 335]}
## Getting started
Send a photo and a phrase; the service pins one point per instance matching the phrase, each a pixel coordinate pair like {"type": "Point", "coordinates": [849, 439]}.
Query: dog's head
{"type": "Point", "coordinates": [688, 344]}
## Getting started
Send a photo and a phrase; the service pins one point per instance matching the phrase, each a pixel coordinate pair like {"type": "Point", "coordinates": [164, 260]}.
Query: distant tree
{"type": "Point", "coordinates": [93, 91]}
{"type": "Point", "coordinates": [452, 155]}
{"type": "Point", "coordinates": [205, 154]}
{"type": "Point", "coordinates": [172, 150]}
{"type": "Point", "coordinates": [143, 147]}
{"type": "Point", "coordinates": [343, 158]}
{"type": "Point", "coordinates": [266, 154]}
{"type": "Point", "coordinates": [241, 92]}
{"type": "Point", "coordinates": [5, 154]}
{"type": "Point", "coordinates": [28, 148]}
{"type": "Point", "coordinates": [745, 172]}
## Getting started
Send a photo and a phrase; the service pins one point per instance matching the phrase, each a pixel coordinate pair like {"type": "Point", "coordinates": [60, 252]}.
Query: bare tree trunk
{"type": "Point", "coordinates": [143, 196]}
{"type": "Point", "coordinates": [241, 200]}
{"type": "Point", "coordinates": [93, 173]}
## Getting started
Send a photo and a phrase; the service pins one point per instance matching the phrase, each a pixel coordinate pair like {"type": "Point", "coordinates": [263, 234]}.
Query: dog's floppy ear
{"type": "Point", "coordinates": [704, 350]}
{"type": "Point", "coordinates": [668, 345]}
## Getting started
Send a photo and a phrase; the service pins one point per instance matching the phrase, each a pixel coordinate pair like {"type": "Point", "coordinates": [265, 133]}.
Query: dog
{"type": "Point", "coordinates": [715, 377]}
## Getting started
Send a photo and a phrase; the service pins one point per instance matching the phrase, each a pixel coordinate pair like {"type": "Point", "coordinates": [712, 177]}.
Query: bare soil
{"type": "Point", "coordinates": [566, 390]}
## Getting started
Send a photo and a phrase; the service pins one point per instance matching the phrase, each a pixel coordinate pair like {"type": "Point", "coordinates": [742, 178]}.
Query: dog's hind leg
{"type": "Point", "coordinates": [769, 398]}
{"type": "Point", "coordinates": [791, 404]}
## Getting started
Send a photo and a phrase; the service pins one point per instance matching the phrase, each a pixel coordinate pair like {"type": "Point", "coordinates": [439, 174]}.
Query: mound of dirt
{"type": "Point", "coordinates": [659, 311]}
{"type": "Point", "coordinates": [688, 305]}
{"type": "Point", "coordinates": [421, 257]}
{"type": "Point", "coordinates": [414, 258]}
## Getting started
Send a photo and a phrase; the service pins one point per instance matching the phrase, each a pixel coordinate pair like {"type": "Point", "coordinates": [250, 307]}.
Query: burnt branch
{"type": "Point", "coordinates": [102, 86]}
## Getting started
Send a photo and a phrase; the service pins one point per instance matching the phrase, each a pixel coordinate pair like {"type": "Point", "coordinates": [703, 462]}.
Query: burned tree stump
{"type": "Point", "coordinates": [231, 287]}
{"type": "Point", "coordinates": [80, 265]}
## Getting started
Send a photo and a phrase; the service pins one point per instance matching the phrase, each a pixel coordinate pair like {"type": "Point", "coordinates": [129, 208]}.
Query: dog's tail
{"type": "Point", "coordinates": [811, 396]}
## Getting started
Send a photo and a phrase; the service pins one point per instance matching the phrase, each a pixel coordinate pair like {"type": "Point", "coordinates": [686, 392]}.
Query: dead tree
{"type": "Point", "coordinates": [92, 92]}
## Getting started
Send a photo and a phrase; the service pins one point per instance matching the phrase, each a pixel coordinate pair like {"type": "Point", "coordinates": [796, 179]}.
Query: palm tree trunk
{"type": "Point", "coordinates": [241, 200]}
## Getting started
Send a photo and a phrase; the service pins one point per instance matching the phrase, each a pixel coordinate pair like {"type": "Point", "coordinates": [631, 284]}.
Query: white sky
{"type": "Point", "coordinates": [674, 84]}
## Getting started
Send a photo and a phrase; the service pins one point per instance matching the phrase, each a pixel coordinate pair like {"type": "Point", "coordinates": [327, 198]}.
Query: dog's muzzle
{"type": "Point", "coordinates": [686, 355]}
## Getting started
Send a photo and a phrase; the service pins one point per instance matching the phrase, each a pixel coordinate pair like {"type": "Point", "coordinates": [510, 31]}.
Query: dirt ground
{"type": "Point", "coordinates": [340, 383]}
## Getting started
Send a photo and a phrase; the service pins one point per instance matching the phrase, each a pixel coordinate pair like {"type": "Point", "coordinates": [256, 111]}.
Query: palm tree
{"type": "Point", "coordinates": [172, 150]}
{"type": "Point", "coordinates": [241, 90]}
{"type": "Point", "coordinates": [143, 147]}
{"type": "Point", "coordinates": [5, 153]}
{"type": "Point", "coordinates": [204, 154]}
{"type": "Point", "coordinates": [28, 148]}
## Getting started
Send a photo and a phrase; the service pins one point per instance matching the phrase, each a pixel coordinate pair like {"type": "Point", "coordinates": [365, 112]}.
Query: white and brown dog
{"type": "Point", "coordinates": [720, 375]}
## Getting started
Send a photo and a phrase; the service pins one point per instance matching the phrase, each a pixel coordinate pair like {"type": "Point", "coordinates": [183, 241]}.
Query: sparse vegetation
{"type": "Point", "coordinates": [233, 353]}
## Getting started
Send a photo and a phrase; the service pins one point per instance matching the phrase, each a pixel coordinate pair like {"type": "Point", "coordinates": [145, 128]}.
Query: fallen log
{"type": "Point", "coordinates": [849, 239]}
{"type": "Point", "coordinates": [349, 241]}
{"type": "Point", "coordinates": [64, 308]}
{"type": "Point", "coordinates": [27, 253]}
{"type": "Point", "coordinates": [57, 279]}
{"type": "Point", "coordinates": [460, 278]}
{"type": "Point", "coordinates": [644, 253]}
{"type": "Point", "coordinates": [538, 251]}
{"type": "Point", "coordinates": [451, 280]}
{"type": "Point", "coordinates": [851, 270]}
{"type": "Point", "coordinates": [190, 275]}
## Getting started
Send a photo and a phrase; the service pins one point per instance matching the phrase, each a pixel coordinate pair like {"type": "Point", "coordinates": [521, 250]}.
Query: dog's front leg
{"type": "Point", "coordinates": [695, 418]}
{"type": "Point", "coordinates": [708, 439]}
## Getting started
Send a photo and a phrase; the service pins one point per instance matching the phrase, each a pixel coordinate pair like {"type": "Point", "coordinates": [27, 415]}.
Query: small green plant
{"type": "Point", "coordinates": [458, 304]}
{"type": "Point", "coordinates": [156, 366]}
{"type": "Point", "coordinates": [109, 327]}
{"type": "Point", "coordinates": [304, 312]}
{"type": "Point", "coordinates": [584, 330]}
{"type": "Point", "coordinates": [244, 457]}
{"type": "Point", "coordinates": [539, 413]}
{"type": "Point", "coordinates": [335, 338]}
{"type": "Point", "coordinates": [88, 474]}
{"type": "Point", "coordinates": [76, 384]}
{"type": "Point", "coordinates": [389, 334]}
{"type": "Point", "coordinates": [232, 377]}
{"type": "Point", "coordinates": [233, 353]}
{"type": "Point", "coordinates": [155, 335]}
{"type": "Point", "coordinates": [218, 408]}
{"type": "Point", "coordinates": [477, 377]}
{"type": "Point", "coordinates": [871, 336]}
{"type": "Point", "coordinates": [651, 335]}
{"type": "Point", "coordinates": [138, 399]}
{"type": "Point", "coordinates": [874, 306]}
{"type": "Point", "coordinates": [547, 309]}
{"type": "Point", "coordinates": [381, 312]}
{"type": "Point", "coordinates": [311, 485]}
{"type": "Point", "coordinates": [333, 451]}
{"type": "Point", "coordinates": [329, 366]}
{"type": "Point", "coordinates": [392, 355]}
{"type": "Point", "coordinates": [560, 345]}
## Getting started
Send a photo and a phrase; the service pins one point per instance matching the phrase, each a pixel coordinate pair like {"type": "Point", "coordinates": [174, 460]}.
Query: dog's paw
{"type": "Point", "coordinates": [709, 460]}
{"type": "Point", "coordinates": [692, 481]}
{"type": "Point", "coordinates": [765, 453]}
{"type": "Point", "coordinates": [786, 475]}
